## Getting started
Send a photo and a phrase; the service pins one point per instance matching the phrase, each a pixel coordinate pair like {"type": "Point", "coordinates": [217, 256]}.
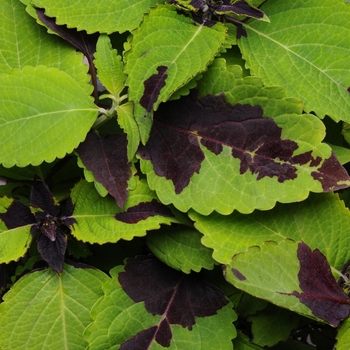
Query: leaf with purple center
{"type": "Point", "coordinates": [238, 155]}
{"type": "Point", "coordinates": [170, 309]}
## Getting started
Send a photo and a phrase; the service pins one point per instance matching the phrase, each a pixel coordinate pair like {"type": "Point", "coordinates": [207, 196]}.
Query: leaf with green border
{"type": "Point", "coordinates": [272, 325]}
{"type": "Point", "coordinates": [51, 311]}
{"type": "Point", "coordinates": [303, 283]}
{"type": "Point", "coordinates": [152, 303]}
{"type": "Point", "coordinates": [96, 220]}
{"type": "Point", "coordinates": [25, 43]}
{"type": "Point", "coordinates": [109, 66]}
{"type": "Point", "coordinates": [207, 154]}
{"type": "Point", "coordinates": [321, 221]}
{"type": "Point", "coordinates": [180, 248]}
{"type": "Point", "coordinates": [14, 242]}
{"type": "Point", "coordinates": [45, 114]}
{"type": "Point", "coordinates": [310, 43]}
{"type": "Point", "coordinates": [167, 51]}
{"type": "Point", "coordinates": [103, 16]}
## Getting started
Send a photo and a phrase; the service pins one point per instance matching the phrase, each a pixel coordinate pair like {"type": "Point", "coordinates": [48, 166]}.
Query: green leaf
{"type": "Point", "coordinates": [343, 336]}
{"type": "Point", "coordinates": [25, 43]}
{"type": "Point", "coordinates": [342, 153]}
{"type": "Point", "coordinates": [102, 16]}
{"type": "Point", "coordinates": [174, 46]}
{"type": "Point", "coordinates": [180, 248]}
{"type": "Point", "coordinates": [95, 215]}
{"type": "Point", "coordinates": [321, 221]}
{"type": "Point", "coordinates": [109, 66]}
{"type": "Point", "coordinates": [118, 318]}
{"type": "Point", "coordinates": [272, 325]}
{"type": "Point", "coordinates": [128, 124]}
{"type": "Point", "coordinates": [13, 242]}
{"type": "Point", "coordinates": [310, 43]}
{"type": "Point", "coordinates": [45, 114]}
{"type": "Point", "coordinates": [46, 311]}
{"type": "Point", "coordinates": [243, 343]}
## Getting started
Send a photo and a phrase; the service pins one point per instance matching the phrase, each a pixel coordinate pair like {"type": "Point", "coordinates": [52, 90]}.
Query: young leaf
{"type": "Point", "coordinates": [172, 319]}
{"type": "Point", "coordinates": [310, 44]}
{"type": "Point", "coordinates": [159, 63]}
{"type": "Point", "coordinates": [96, 220]}
{"type": "Point", "coordinates": [180, 248]}
{"type": "Point", "coordinates": [321, 221]}
{"type": "Point", "coordinates": [25, 43]}
{"type": "Point", "coordinates": [206, 148]}
{"type": "Point", "coordinates": [16, 221]}
{"type": "Point", "coordinates": [51, 311]}
{"type": "Point", "coordinates": [304, 283]}
{"type": "Point", "coordinates": [106, 157]}
{"type": "Point", "coordinates": [52, 107]}
{"type": "Point", "coordinates": [127, 122]}
{"type": "Point", "coordinates": [107, 17]}
{"type": "Point", "coordinates": [109, 66]}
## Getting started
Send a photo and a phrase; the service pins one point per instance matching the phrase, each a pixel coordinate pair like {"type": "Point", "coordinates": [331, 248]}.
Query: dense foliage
{"type": "Point", "coordinates": [170, 170]}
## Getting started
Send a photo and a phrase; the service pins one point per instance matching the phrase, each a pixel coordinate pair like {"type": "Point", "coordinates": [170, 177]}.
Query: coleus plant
{"type": "Point", "coordinates": [170, 170]}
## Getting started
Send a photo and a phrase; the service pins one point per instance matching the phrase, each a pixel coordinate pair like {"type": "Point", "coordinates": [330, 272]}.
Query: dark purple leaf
{"type": "Point", "coordinates": [83, 42]}
{"type": "Point", "coordinates": [241, 8]}
{"type": "Point", "coordinates": [142, 211]}
{"type": "Point", "coordinates": [107, 159]}
{"type": "Point", "coordinates": [178, 297]}
{"type": "Point", "coordinates": [174, 149]}
{"type": "Point", "coordinates": [17, 215]}
{"type": "Point", "coordinates": [53, 251]}
{"type": "Point", "coordinates": [41, 197]}
{"type": "Point", "coordinates": [153, 85]}
{"type": "Point", "coordinates": [331, 174]}
{"type": "Point", "coordinates": [67, 219]}
{"type": "Point", "coordinates": [320, 291]}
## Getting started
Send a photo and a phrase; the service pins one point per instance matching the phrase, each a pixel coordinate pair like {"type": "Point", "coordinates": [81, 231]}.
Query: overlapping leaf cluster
{"type": "Point", "coordinates": [190, 150]}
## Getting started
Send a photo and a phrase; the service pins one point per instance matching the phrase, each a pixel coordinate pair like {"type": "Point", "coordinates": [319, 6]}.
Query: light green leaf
{"type": "Point", "coordinates": [95, 215]}
{"type": "Point", "coordinates": [44, 114]}
{"type": "Point", "coordinates": [259, 272]}
{"type": "Point", "coordinates": [321, 221]}
{"type": "Point", "coordinates": [127, 122]}
{"type": "Point", "coordinates": [180, 248]}
{"type": "Point", "coordinates": [305, 49]}
{"type": "Point", "coordinates": [13, 242]}
{"type": "Point", "coordinates": [117, 318]}
{"type": "Point", "coordinates": [103, 16]}
{"type": "Point", "coordinates": [25, 43]}
{"type": "Point", "coordinates": [343, 336]}
{"type": "Point", "coordinates": [342, 153]}
{"type": "Point", "coordinates": [46, 311]}
{"type": "Point", "coordinates": [171, 49]}
{"type": "Point", "coordinates": [109, 66]}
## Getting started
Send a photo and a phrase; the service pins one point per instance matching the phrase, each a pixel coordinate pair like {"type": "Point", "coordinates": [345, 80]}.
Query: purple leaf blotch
{"type": "Point", "coordinates": [142, 211]}
{"type": "Point", "coordinates": [181, 126]}
{"type": "Point", "coordinates": [177, 297]}
{"type": "Point", "coordinates": [320, 291]}
{"type": "Point", "coordinates": [107, 158]}
{"type": "Point", "coordinates": [153, 85]}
